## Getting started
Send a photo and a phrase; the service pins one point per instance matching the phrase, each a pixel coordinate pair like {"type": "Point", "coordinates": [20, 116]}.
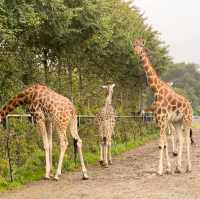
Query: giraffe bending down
{"type": "Point", "coordinates": [50, 111]}
{"type": "Point", "coordinates": [105, 122]}
{"type": "Point", "coordinates": [169, 108]}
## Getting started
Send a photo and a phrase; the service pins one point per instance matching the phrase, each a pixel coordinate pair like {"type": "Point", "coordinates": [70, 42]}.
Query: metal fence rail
{"type": "Point", "coordinates": [141, 119]}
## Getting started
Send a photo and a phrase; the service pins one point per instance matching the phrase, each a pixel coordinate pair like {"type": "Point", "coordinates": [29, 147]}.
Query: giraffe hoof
{"type": "Point", "coordinates": [175, 153]}
{"type": "Point", "coordinates": [105, 165]}
{"type": "Point", "coordinates": [160, 174]}
{"type": "Point", "coordinates": [188, 169]}
{"type": "Point", "coordinates": [85, 177]}
{"type": "Point", "coordinates": [110, 162]}
{"type": "Point", "coordinates": [178, 170]}
{"type": "Point", "coordinates": [47, 178]}
{"type": "Point", "coordinates": [56, 178]}
{"type": "Point", "coordinates": [101, 162]}
{"type": "Point", "coordinates": [168, 172]}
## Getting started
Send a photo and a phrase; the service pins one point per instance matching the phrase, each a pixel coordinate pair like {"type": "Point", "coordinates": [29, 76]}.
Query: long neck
{"type": "Point", "coordinates": [151, 75]}
{"type": "Point", "coordinates": [108, 99]}
{"type": "Point", "coordinates": [13, 103]}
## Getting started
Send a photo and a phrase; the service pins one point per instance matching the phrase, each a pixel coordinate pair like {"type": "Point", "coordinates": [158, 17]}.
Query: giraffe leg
{"type": "Point", "coordinates": [42, 129]}
{"type": "Point", "coordinates": [105, 152]}
{"type": "Point", "coordinates": [63, 147]}
{"type": "Point", "coordinates": [161, 147]}
{"type": "Point", "coordinates": [74, 133]}
{"type": "Point", "coordinates": [180, 148]}
{"type": "Point", "coordinates": [49, 134]}
{"type": "Point", "coordinates": [173, 139]}
{"type": "Point", "coordinates": [167, 154]}
{"type": "Point", "coordinates": [174, 143]}
{"type": "Point", "coordinates": [84, 171]}
{"type": "Point", "coordinates": [109, 152]}
{"type": "Point", "coordinates": [101, 151]}
{"type": "Point", "coordinates": [188, 142]}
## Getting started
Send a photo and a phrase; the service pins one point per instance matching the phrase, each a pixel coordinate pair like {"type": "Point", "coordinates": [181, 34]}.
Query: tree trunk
{"type": "Point", "coordinates": [80, 80]}
{"type": "Point", "coordinates": [70, 82]}
{"type": "Point", "coordinates": [59, 78]}
{"type": "Point", "coordinates": [45, 63]}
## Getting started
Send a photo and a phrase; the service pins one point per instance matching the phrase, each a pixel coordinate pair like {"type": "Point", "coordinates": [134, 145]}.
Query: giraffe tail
{"type": "Point", "coordinates": [74, 132]}
{"type": "Point", "coordinates": [191, 138]}
{"type": "Point", "coordinates": [75, 149]}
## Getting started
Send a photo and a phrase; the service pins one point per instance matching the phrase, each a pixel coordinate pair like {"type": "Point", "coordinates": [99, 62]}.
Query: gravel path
{"type": "Point", "coordinates": [132, 175]}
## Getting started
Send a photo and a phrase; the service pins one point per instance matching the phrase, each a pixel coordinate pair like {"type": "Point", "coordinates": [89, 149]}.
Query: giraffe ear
{"type": "Point", "coordinates": [142, 42]}
{"type": "Point", "coordinates": [113, 85]}
{"type": "Point", "coordinates": [170, 83]}
{"type": "Point", "coordinates": [103, 86]}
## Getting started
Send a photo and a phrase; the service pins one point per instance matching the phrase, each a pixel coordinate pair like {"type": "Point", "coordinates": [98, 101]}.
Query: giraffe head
{"type": "Point", "coordinates": [109, 88]}
{"type": "Point", "coordinates": [138, 46]}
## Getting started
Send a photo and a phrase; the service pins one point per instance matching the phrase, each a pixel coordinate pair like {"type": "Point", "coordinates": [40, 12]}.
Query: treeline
{"type": "Point", "coordinates": [75, 47]}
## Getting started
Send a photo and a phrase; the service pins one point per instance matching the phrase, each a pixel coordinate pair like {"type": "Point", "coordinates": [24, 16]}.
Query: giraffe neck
{"type": "Point", "coordinates": [13, 103]}
{"type": "Point", "coordinates": [108, 99]}
{"type": "Point", "coordinates": [152, 78]}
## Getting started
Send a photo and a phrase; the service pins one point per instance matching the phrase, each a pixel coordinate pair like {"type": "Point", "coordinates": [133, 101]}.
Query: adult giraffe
{"type": "Point", "coordinates": [170, 107]}
{"type": "Point", "coordinates": [171, 129]}
{"type": "Point", "coordinates": [50, 110]}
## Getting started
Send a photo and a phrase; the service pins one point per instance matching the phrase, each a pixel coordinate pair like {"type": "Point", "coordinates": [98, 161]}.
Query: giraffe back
{"type": "Point", "coordinates": [43, 103]}
{"type": "Point", "coordinates": [105, 121]}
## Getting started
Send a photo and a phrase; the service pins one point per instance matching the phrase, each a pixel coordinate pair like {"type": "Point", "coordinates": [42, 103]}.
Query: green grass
{"type": "Point", "coordinates": [196, 125]}
{"type": "Point", "coordinates": [33, 170]}
{"type": "Point", "coordinates": [120, 148]}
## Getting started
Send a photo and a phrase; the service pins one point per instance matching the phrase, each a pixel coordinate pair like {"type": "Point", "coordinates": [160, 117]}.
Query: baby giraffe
{"type": "Point", "coordinates": [49, 110]}
{"type": "Point", "coordinates": [105, 122]}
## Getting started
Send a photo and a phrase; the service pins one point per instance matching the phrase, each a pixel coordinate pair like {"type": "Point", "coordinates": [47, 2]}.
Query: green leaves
{"type": "Point", "coordinates": [67, 43]}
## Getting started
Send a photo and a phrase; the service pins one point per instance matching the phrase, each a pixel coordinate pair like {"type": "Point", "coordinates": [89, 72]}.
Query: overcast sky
{"type": "Point", "coordinates": [178, 21]}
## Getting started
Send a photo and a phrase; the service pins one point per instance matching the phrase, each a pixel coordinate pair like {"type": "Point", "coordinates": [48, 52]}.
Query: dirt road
{"type": "Point", "coordinates": [133, 175]}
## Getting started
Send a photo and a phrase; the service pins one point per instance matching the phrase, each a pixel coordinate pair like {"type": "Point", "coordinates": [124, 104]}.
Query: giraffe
{"type": "Point", "coordinates": [170, 107]}
{"type": "Point", "coordinates": [171, 129]}
{"type": "Point", "coordinates": [105, 122]}
{"type": "Point", "coordinates": [50, 111]}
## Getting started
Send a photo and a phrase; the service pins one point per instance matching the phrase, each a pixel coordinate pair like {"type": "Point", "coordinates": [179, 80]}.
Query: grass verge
{"type": "Point", "coordinates": [33, 170]}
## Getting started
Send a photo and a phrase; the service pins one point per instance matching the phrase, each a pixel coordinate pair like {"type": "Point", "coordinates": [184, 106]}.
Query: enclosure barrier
{"type": "Point", "coordinates": [140, 119]}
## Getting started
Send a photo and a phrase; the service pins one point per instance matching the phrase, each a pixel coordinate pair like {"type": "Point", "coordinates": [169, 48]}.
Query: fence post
{"type": "Point", "coordinates": [8, 149]}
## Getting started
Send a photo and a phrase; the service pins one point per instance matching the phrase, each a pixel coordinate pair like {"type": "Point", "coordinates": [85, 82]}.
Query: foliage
{"type": "Point", "coordinates": [75, 47]}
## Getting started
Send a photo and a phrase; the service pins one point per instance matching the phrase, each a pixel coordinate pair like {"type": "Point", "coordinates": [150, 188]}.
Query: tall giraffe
{"type": "Point", "coordinates": [105, 122]}
{"type": "Point", "coordinates": [171, 129]}
{"type": "Point", "coordinates": [169, 108]}
{"type": "Point", "coordinates": [50, 111]}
